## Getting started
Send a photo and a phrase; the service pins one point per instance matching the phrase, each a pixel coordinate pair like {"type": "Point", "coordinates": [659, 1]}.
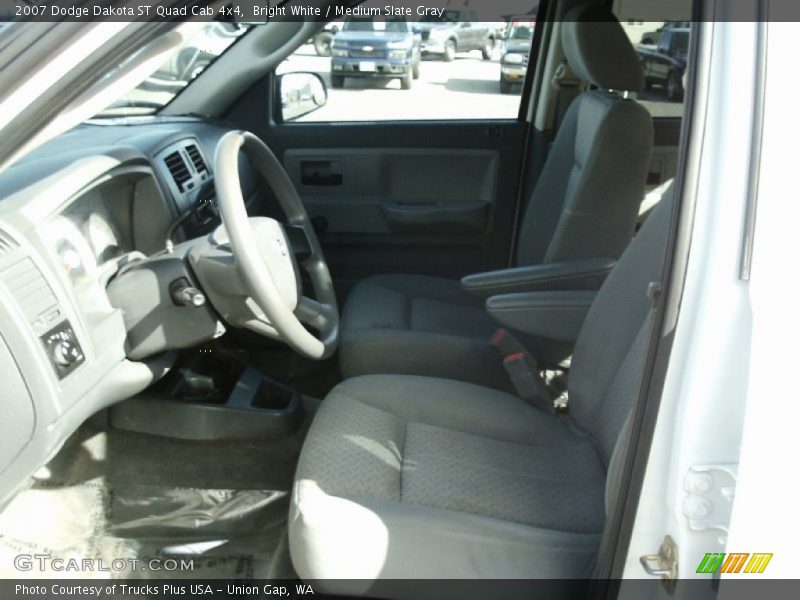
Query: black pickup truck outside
{"type": "Point", "coordinates": [664, 63]}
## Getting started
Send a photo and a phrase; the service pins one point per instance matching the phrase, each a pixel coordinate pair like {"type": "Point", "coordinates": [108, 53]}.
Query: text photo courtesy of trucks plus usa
{"type": "Point", "coordinates": [397, 299]}
{"type": "Point", "coordinates": [160, 590]}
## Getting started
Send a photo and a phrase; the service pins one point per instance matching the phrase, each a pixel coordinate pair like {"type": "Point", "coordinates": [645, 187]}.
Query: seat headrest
{"type": "Point", "coordinates": [599, 51]}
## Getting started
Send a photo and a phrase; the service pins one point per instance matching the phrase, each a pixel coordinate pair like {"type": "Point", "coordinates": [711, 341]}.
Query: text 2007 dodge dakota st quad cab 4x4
{"type": "Point", "coordinates": [268, 331]}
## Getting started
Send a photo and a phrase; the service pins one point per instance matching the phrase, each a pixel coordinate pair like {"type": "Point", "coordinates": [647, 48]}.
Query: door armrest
{"type": "Point", "coordinates": [553, 315]}
{"type": "Point", "coordinates": [587, 274]}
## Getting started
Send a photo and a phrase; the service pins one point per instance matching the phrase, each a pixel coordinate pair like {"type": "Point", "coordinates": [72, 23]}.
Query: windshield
{"type": "Point", "coordinates": [185, 64]}
{"type": "Point", "coordinates": [367, 24]}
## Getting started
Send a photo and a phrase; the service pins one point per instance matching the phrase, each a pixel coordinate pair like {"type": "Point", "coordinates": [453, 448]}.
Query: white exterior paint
{"type": "Point", "coordinates": [729, 369]}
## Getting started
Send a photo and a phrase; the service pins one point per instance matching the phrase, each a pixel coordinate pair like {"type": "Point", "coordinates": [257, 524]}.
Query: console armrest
{"type": "Point", "coordinates": [587, 274]}
{"type": "Point", "coordinates": [553, 315]}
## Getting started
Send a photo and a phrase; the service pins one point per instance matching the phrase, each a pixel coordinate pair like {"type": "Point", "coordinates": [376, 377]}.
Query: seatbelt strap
{"type": "Point", "coordinates": [523, 371]}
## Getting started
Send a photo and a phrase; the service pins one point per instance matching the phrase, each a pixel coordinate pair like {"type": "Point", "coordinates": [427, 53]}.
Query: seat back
{"type": "Point", "coordinates": [586, 200]}
{"type": "Point", "coordinates": [610, 352]}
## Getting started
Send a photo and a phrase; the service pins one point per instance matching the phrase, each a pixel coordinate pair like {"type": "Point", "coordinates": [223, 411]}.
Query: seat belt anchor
{"type": "Point", "coordinates": [523, 371]}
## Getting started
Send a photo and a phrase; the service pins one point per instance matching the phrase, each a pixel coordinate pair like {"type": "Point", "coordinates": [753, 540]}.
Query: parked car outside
{"type": "Point", "coordinates": [375, 50]}
{"type": "Point", "coordinates": [653, 37]}
{"type": "Point", "coordinates": [456, 31]}
{"type": "Point", "coordinates": [514, 53]}
{"type": "Point", "coordinates": [664, 64]}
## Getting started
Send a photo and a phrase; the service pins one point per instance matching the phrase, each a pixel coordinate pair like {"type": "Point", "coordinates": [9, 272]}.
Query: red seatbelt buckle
{"type": "Point", "coordinates": [505, 343]}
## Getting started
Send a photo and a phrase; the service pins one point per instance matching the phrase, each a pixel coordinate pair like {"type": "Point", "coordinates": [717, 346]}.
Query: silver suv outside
{"type": "Point", "coordinates": [456, 31]}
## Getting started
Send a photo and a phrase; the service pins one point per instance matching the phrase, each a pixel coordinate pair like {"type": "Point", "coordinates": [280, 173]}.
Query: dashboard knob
{"type": "Point", "coordinates": [65, 353]}
{"type": "Point", "coordinates": [184, 294]}
{"type": "Point", "coordinates": [194, 297]}
{"type": "Point", "coordinates": [63, 349]}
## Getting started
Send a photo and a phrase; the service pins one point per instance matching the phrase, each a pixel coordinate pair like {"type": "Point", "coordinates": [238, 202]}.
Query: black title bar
{"type": "Point", "coordinates": [262, 11]}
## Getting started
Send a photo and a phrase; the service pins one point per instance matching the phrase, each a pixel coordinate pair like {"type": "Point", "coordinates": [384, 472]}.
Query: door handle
{"type": "Point", "coordinates": [321, 172]}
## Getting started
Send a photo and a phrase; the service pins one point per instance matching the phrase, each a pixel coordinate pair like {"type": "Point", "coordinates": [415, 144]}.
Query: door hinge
{"type": "Point", "coordinates": [709, 502]}
{"type": "Point", "coordinates": [664, 564]}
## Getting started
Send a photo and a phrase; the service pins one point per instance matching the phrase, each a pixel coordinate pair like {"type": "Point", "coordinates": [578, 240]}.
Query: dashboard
{"type": "Point", "coordinates": [93, 230]}
{"type": "Point", "coordinates": [72, 214]}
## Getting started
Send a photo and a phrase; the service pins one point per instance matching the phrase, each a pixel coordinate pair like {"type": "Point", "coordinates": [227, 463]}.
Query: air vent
{"type": "Point", "coordinates": [197, 159]}
{"type": "Point", "coordinates": [30, 290]}
{"type": "Point", "coordinates": [178, 169]}
{"type": "Point", "coordinates": [7, 245]}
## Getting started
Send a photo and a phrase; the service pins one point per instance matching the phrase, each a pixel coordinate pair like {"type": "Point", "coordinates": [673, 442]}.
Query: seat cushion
{"type": "Point", "coordinates": [417, 477]}
{"type": "Point", "coordinates": [417, 325]}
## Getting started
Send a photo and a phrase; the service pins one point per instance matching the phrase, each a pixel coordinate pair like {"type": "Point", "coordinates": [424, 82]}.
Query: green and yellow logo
{"type": "Point", "coordinates": [736, 562]}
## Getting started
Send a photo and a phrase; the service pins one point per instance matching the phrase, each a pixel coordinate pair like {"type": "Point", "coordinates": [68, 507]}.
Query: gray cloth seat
{"type": "Point", "coordinates": [584, 205]}
{"type": "Point", "coordinates": [420, 477]}
{"type": "Point", "coordinates": [407, 476]}
{"type": "Point", "coordinates": [392, 319]}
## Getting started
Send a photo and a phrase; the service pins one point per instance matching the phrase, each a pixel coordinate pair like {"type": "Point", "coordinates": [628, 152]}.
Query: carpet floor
{"type": "Point", "coordinates": [117, 495]}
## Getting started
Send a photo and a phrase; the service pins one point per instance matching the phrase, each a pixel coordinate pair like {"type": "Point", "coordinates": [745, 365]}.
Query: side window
{"type": "Point", "coordinates": [663, 48]}
{"type": "Point", "coordinates": [444, 66]}
{"type": "Point", "coordinates": [660, 33]}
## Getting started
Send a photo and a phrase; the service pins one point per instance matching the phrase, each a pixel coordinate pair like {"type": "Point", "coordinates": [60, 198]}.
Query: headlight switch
{"type": "Point", "coordinates": [63, 349]}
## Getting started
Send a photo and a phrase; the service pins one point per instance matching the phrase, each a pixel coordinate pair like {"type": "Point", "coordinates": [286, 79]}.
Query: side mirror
{"type": "Point", "coordinates": [300, 94]}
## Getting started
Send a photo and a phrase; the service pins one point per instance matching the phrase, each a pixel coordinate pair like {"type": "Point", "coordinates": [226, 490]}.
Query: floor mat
{"type": "Point", "coordinates": [147, 532]}
{"type": "Point", "coordinates": [140, 507]}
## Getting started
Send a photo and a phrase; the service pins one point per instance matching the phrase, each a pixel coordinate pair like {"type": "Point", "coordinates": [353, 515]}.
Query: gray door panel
{"type": "Point", "coordinates": [396, 190]}
{"type": "Point", "coordinates": [424, 197]}
{"type": "Point", "coordinates": [434, 198]}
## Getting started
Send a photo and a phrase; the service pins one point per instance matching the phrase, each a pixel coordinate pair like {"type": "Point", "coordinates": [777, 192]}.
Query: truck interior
{"type": "Point", "coordinates": [238, 330]}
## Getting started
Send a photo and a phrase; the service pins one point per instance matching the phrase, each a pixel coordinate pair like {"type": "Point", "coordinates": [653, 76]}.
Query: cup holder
{"type": "Point", "coordinates": [206, 379]}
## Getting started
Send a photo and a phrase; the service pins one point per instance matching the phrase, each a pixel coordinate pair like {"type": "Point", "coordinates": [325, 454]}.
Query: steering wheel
{"type": "Point", "coordinates": [264, 257]}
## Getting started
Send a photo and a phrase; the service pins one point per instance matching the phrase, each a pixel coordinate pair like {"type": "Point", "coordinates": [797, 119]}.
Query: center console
{"type": "Point", "coordinates": [211, 396]}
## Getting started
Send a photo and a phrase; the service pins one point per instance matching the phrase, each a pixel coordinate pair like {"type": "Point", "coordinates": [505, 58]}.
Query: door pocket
{"type": "Point", "coordinates": [465, 218]}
